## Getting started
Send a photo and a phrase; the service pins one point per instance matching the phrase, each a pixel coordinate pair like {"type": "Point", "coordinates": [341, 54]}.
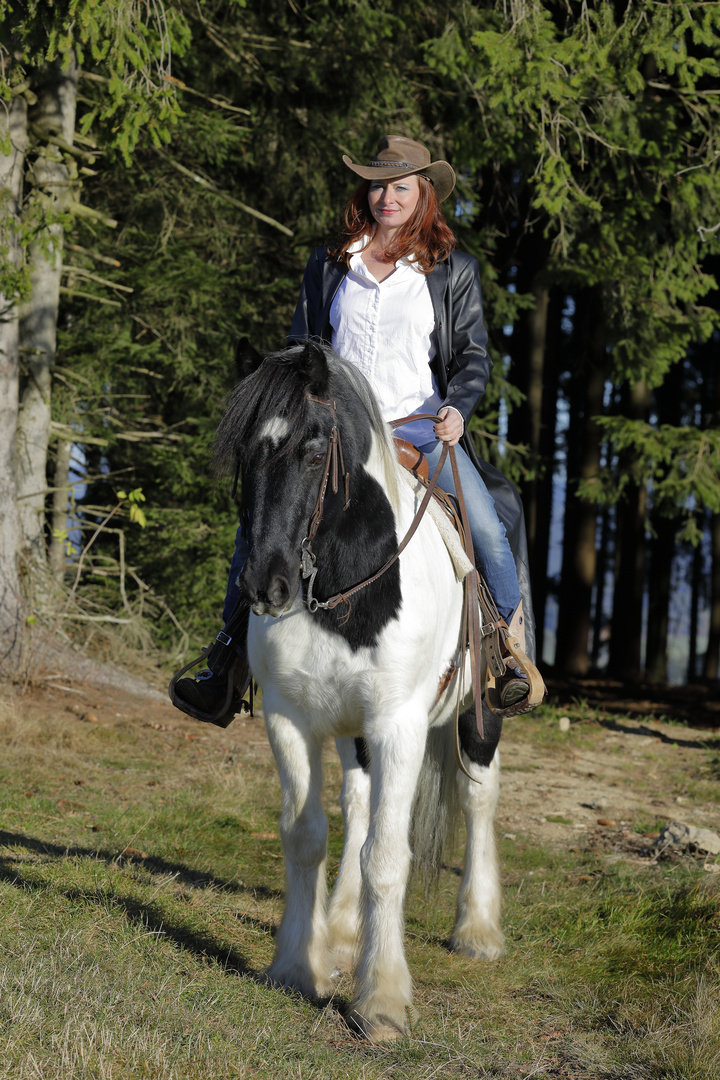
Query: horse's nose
{"type": "Point", "coordinates": [268, 593]}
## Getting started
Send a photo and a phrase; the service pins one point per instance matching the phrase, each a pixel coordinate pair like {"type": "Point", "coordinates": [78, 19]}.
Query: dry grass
{"type": "Point", "coordinates": [141, 880]}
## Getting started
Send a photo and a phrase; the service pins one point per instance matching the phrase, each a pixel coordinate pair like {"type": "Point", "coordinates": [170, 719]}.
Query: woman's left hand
{"type": "Point", "coordinates": [451, 427]}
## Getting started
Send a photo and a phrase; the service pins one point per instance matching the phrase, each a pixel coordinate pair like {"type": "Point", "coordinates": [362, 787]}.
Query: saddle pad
{"type": "Point", "coordinates": [461, 564]}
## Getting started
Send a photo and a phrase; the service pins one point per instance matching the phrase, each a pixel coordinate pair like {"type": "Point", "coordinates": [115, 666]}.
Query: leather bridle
{"type": "Point", "coordinates": [490, 634]}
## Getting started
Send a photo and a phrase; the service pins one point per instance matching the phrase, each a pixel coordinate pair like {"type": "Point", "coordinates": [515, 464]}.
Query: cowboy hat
{"type": "Point", "coordinates": [398, 156]}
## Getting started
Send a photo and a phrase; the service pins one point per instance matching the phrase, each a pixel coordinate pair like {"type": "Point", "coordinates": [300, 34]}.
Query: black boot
{"type": "Point", "coordinates": [216, 694]}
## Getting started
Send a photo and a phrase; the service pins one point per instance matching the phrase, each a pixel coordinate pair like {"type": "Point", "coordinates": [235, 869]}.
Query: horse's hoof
{"type": "Point", "coordinates": [312, 987]}
{"type": "Point", "coordinates": [475, 949]}
{"type": "Point", "coordinates": [382, 1029]}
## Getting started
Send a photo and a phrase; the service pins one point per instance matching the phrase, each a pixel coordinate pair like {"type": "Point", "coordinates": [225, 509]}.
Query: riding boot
{"type": "Point", "coordinates": [216, 693]}
{"type": "Point", "coordinates": [514, 685]}
{"type": "Point", "coordinates": [521, 687]}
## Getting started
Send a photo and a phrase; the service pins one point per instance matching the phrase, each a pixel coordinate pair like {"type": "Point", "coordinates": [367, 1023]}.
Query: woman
{"type": "Point", "coordinates": [396, 298]}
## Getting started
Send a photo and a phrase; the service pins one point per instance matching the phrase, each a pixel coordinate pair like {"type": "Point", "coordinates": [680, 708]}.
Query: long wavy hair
{"type": "Point", "coordinates": [425, 238]}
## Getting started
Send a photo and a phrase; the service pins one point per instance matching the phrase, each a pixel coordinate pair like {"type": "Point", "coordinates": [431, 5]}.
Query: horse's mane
{"type": "Point", "coordinates": [380, 428]}
{"type": "Point", "coordinates": [277, 388]}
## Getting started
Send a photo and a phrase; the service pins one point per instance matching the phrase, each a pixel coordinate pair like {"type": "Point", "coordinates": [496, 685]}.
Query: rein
{"type": "Point", "coordinates": [308, 557]}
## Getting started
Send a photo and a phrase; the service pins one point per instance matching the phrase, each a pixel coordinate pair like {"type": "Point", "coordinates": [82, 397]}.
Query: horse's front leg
{"type": "Point", "coordinates": [302, 959]}
{"type": "Point", "coordinates": [477, 932]}
{"type": "Point", "coordinates": [382, 1008]}
{"type": "Point", "coordinates": [344, 907]}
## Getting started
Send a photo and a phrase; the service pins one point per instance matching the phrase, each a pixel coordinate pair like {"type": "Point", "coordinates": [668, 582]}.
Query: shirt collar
{"type": "Point", "coordinates": [356, 263]}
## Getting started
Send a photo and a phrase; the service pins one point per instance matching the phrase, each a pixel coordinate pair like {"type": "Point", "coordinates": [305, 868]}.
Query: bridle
{"type": "Point", "coordinates": [493, 627]}
{"type": "Point", "coordinates": [308, 558]}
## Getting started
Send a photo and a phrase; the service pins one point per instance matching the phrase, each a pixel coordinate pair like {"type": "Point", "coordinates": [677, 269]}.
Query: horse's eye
{"type": "Point", "coordinates": [317, 459]}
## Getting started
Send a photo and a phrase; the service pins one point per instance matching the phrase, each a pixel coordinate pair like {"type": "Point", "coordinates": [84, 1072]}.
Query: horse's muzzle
{"type": "Point", "coordinates": [271, 593]}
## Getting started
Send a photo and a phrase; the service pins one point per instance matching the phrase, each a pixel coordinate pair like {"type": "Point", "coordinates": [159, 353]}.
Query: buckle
{"type": "Point", "coordinates": [223, 638]}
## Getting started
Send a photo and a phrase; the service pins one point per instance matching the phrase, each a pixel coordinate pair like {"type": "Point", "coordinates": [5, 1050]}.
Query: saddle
{"type": "Point", "coordinates": [501, 642]}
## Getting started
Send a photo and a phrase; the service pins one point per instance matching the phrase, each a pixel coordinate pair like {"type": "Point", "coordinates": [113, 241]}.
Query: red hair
{"type": "Point", "coordinates": [425, 238]}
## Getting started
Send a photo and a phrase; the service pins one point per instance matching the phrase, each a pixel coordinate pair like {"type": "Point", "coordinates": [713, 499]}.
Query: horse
{"type": "Point", "coordinates": [370, 672]}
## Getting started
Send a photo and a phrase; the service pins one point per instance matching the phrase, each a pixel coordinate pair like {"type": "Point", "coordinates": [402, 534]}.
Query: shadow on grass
{"type": "Point", "coordinates": [146, 916]}
{"type": "Point", "coordinates": [671, 740]}
{"type": "Point", "coordinates": [149, 917]}
{"type": "Point", "coordinates": [183, 873]}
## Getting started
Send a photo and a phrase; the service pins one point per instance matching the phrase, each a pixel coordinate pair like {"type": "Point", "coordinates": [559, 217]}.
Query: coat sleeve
{"type": "Point", "coordinates": [305, 319]}
{"type": "Point", "coordinates": [470, 365]}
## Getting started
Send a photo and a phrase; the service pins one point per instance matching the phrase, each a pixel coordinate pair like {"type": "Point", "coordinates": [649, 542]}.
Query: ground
{"type": "Point", "coordinates": [608, 779]}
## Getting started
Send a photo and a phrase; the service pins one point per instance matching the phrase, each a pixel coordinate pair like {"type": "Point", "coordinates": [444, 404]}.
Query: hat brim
{"type": "Point", "coordinates": [440, 174]}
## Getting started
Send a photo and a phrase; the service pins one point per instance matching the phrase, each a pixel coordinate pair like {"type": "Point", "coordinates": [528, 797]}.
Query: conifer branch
{"type": "Point", "coordinates": [93, 254]}
{"type": "Point", "coordinates": [89, 296]}
{"type": "Point", "coordinates": [95, 277]}
{"type": "Point", "coordinates": [210, 186]}
{"type": "Point", "coordinates": [213, 101]}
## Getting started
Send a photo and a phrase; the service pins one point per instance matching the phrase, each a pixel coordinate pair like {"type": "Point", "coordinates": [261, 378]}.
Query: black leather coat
{"type": "Point", "coordinates": [461, 367]}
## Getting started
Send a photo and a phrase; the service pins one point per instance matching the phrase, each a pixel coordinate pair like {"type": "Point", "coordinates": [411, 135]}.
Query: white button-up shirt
{"type": "Point", "coordinates": [385, 328]}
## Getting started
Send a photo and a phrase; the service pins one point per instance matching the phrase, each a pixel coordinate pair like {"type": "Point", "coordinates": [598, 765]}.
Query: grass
{"type": "Point", "coordinates": [141, 880]}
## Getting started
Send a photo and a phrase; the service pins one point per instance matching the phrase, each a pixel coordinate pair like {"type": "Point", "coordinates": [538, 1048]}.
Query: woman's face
{"type": "Point", "coordinates": [392, 202]}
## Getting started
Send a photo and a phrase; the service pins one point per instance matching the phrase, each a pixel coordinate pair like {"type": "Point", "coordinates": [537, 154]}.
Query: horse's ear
{"type": "Point", "coordinates": [247, 359]}
{"type": "Point", "coordinates": [313, 366]}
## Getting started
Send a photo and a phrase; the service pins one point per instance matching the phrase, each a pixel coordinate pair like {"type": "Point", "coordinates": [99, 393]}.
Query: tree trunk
{"type": "Point", "coordinates": [669, 400]}
{"type": "Point", "coordinates": [53, 115]}
{"type": "Point", "coordinates": [544, 486]}
{"type": "Point", "coordinates": [627, 614]}
{"type": "Point", "coordinates": [603, 559]}
{"type": "Point", "coordinates": [662, 553]}
{"type": "Point", "coordinates": [696, 589]}
{"type": "Point", "coordinates": [13, 126]}
{"type": "Point", "coordinates": [710, 664]}
{"type": "Point", "coordinates": [583, 463]}
{"type": "Point", "coordinates": [58, 539]}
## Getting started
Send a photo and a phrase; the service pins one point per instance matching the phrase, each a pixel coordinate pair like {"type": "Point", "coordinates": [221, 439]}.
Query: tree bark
{"type": "Point", "coordinates": [53, 115]}
{"type": "Point", "coordinates": [13, 126]}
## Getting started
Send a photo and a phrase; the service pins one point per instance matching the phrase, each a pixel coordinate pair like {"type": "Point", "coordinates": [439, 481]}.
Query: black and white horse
{"type": "Point", "coordinates": [368, 673]}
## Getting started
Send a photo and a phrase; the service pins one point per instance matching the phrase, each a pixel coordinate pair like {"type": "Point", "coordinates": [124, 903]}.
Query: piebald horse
{"type": "Point", "coordinates": [370, 672]}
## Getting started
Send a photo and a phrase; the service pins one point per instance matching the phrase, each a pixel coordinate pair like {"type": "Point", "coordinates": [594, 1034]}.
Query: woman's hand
{"type": "Point", "coordinates": [451, 427]}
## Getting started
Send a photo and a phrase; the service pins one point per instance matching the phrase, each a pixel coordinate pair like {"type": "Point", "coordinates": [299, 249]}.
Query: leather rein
{"type": "Point", "coordinates": [474, 634]}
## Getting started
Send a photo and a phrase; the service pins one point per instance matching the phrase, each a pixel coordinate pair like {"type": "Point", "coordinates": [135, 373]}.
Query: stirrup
{"type": "Point", "coordinates": [514, 642]}
{"type": "Point", "coordinates": [234, 699]}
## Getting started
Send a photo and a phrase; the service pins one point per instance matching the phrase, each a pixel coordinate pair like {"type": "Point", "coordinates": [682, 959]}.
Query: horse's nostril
{"type": "Point", "coordinates": [279, 592]}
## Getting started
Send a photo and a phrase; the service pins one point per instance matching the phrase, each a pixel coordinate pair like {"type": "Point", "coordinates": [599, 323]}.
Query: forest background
{"type": "Point", "coordinates": [166, 168]}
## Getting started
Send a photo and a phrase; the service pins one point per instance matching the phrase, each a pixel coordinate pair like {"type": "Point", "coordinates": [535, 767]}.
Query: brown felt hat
{"type": "Point", "coordinates": [398, 156]}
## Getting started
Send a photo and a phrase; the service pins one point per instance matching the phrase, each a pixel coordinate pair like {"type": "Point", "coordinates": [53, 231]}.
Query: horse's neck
{"type": "Point", "coordinates": [385, 469]}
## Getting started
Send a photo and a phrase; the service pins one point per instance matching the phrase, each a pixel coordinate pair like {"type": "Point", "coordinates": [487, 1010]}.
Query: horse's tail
{"type": "Point", "coordinates": [436, 811]}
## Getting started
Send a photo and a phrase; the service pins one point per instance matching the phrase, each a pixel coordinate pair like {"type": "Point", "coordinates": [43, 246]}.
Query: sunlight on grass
{"type": "Point", "coordinates": [141, 881]}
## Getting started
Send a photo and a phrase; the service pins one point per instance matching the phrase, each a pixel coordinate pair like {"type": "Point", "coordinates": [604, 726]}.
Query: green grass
{"type": "Point", "coordinates": [141, 881]}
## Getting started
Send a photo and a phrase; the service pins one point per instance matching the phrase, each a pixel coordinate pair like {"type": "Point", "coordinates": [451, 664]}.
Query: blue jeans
{"type": "Point", "coordinates": [493, 556]}
{"type": "Point", "coordinates": [492, 550]}
{"type": "Point", "coordinates": [240, 556]}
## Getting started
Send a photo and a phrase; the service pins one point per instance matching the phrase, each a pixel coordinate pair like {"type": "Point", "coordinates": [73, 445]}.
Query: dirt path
{"type": "Point", "coordinates": [603, 782]}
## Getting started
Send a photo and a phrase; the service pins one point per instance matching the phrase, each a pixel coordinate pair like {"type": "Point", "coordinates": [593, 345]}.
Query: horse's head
{"type": "Point", "coordinates": [279, 424]}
